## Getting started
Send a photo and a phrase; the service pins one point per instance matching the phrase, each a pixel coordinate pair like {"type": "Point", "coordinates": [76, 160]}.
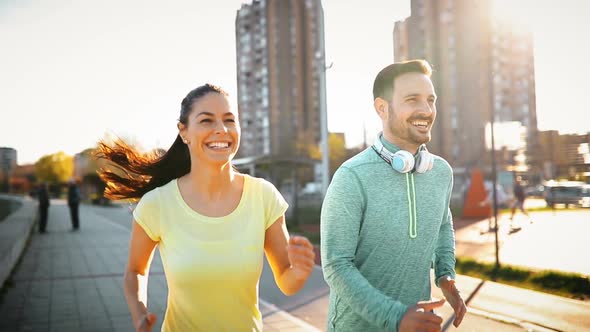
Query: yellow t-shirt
{"type": "Point", "coordinates": [212, 265]}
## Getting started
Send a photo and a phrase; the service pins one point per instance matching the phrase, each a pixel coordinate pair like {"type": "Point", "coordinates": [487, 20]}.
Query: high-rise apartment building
{"type": "Point", "coordinates": [280, 76]}
{"type": "Point", "coordinates": [8, 163]}
{"type": "Point", "coordinates": [481, 64]}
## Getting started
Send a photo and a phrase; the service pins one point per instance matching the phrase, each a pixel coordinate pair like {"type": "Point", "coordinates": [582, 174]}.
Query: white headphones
{"type": "Point", "coordinates": [403, 161]}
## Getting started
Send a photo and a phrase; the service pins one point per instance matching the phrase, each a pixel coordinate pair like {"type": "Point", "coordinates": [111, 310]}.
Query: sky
{"type": "Point", "coordinates": [73, 72]}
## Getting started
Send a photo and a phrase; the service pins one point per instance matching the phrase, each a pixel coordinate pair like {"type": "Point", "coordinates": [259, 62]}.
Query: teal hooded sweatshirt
{"type": "Point", "coordinates": [381, 232]}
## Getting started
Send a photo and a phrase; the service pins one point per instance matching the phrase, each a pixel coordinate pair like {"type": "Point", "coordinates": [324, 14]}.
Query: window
{"type": "Point", "coordinates": [445, 16]}
{"type": "Point", "coordinates": [451, 41]}
{"type": "Point", "coordinates": [456, 151]}
{"type": "Point", "coordinates": [454, 122]}
{"type": "Point", "coordinates": [421, 10]}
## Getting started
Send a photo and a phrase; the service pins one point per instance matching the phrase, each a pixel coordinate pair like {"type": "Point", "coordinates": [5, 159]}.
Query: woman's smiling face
{"type": "Point", "coordinates": [213, 131]}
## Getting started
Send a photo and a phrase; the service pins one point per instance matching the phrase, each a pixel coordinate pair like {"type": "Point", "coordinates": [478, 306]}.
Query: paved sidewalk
{"type": "Point", "coordinates": [545, 244]}
{"type": "Point", "coordinates": [72, 281]}
{"type": "Point", "coordinates": [530, 310]}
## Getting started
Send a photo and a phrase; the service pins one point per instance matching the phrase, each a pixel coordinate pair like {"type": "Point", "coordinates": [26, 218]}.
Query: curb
{"type": "Point", "coordinates": [528, 326]}
{"type": "Point", "coordinates": [15, 232]}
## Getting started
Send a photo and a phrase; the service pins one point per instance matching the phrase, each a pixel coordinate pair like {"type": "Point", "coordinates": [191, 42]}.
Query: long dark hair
{"type": "Point", "coordinates": [134, 173]}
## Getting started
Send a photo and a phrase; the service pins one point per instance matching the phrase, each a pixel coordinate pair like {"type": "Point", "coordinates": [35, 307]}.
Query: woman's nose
{"type": "Point", "coordinates": [220, 127]}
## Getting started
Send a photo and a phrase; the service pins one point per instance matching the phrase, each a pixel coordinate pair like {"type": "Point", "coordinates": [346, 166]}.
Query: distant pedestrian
{"type": "Point", "coordinates": [74, 203]}
{"type": "Point", "coordinates": [501, 200]}
{"type": "Point", "coordinates": [43, 196]}
{"type": "Point", "coordinates": [212, 224]}
{"type": "Point", "coordinates": [519, 198]}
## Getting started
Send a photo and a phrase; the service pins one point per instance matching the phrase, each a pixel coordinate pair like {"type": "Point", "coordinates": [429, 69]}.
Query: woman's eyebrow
{"type": "Point", "coordinates": [211, 114]}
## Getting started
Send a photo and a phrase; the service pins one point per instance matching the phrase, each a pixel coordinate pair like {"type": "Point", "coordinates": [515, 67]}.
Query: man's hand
{"type": "Point", "coordinates": [146, 322]}
{"type": "Point", "coordinates": [452, 295]}
{"type": "Point", "coordinates": [420, 318]}
{"type": "Point", "coordinates": [301, 256]}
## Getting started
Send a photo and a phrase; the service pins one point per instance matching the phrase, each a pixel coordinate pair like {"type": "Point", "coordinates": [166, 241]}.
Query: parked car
{"type": "Point", "coordinates": [565, 192]}
{"type": "Point", "coordinates": [537, 191]}
{"type": "Point", "coordinates": [585, 200]}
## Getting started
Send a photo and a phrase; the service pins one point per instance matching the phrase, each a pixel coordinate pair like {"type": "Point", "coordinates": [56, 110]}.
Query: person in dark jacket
{"type": "Point", "coordinates": [74, 203]}
{"type": "Point", "coordinates": [43, 197]}
{"type": "Point", "coordinates": [519, 197]}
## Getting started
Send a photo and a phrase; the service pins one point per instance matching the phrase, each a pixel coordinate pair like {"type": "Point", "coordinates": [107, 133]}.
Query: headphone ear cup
{"type": "Point", "coordinates": [402, 161]}
{"type": "Point", "coordinates": [425, 162]}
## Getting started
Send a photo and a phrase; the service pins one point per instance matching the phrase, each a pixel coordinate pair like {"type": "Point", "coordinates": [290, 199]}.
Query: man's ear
{"type": "Point", "coordinates": [380, 105]}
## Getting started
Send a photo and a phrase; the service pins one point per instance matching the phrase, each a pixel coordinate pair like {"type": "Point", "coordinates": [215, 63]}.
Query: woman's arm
{"type": "Point", "coordinates": [291, 259]}
{"type": "Point", "coordinates": [141, 251]}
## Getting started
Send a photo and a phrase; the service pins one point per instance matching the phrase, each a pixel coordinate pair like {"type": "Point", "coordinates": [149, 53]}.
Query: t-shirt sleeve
{"type": "Point", "coordinates": [147, 214]}
{"type": "Point", "coordinates": [275, 204]}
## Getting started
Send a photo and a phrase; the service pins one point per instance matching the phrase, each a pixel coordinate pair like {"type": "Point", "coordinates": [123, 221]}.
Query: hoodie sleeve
{"type": "Point", "coordinates": [341, 216]}
{"type": "Point", "coordinates": [444, 263]}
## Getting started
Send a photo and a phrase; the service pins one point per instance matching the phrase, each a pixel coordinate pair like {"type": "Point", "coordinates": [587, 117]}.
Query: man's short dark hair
{"type": "Point", "coordinates": [383, 85]}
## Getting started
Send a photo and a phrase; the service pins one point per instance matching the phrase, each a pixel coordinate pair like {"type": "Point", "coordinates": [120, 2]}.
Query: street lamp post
{"type": "Point", "coordinates": [325, 165]}
{"type": "Point", "coordinates": [494, 181]}
{"type": "Point", "coordinates": [493, 149]}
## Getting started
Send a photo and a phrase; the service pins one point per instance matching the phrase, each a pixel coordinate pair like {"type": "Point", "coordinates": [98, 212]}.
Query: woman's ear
{"type": "Point", "coordinates": [181, 130]}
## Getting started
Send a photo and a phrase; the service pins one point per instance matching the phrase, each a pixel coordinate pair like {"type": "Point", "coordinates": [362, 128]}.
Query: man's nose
{"type": "Point", "coordinates": [425, 107]}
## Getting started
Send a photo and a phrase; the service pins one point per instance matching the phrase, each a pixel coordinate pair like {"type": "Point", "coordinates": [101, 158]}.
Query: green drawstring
{"type": "Point", "coordinates": [413, 214]}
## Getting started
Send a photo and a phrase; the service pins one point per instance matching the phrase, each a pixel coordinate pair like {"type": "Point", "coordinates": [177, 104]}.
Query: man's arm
{"type": "Point", "coordinates": [444, 267]}
{"type": "Point", "coordinates": [342, 212]}
{"type": "Point", "coordinates": [444, 263]}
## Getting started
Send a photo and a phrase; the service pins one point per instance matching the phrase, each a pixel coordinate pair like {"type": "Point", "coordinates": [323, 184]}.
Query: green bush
{"type": "Point", "coordinates": [513, 274]}
{"type": "Point", "coordinates": [559, 283]}
{"type": "Point", "coordinates": [573, 283]}
{"type": "Point", "coordinates": [308, 215]}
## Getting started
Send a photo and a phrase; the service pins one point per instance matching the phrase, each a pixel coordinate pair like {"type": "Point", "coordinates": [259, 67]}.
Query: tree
{"type": "Point", "coordinates": [54, 168]}
{"type": "Point", "coordinates": [338, 151]}
{"type": "Point", "coordinates": [87, 163]}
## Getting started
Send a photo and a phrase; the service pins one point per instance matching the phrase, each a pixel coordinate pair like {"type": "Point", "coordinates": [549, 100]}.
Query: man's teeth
{"type": "Point", "coordinates": [218, 145]}
{"type": "Point", "coordinates": [420, 123]}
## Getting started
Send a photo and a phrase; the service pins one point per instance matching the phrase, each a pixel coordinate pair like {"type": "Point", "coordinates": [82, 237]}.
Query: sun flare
{"type": "Point", "coordinates": [517, 14]}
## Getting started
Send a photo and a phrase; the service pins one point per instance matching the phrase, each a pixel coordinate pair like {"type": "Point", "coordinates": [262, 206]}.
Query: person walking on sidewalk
{"type": "Point", "coordinates": [383, 228]}
{"type": "Point", "coordinates": [43, 196]}
{"type": "Point", "coordinates": [74, 204]}
{"type": "Point", "coordinates": [211, 224]}
{"type": "Point", "coordinates": [519, 198]}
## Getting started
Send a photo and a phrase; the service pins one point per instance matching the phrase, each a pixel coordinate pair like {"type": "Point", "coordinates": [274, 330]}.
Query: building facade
{"type": "Point", "coordinates": [565, 157]}
{"type": "Point", "coordinates": [280, 68]}
{"type": "Point", "coordinates": [8, 162]}
{"type": "Point", "coordinates": [482, 64]}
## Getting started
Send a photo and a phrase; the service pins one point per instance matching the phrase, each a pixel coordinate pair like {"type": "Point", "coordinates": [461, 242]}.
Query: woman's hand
{"type": "Point", "coordinates": [291, 258]}
{"type": "Point", "coordinates": [301, 256]}
{"type": "Point", "coordinates": [146, 322]}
